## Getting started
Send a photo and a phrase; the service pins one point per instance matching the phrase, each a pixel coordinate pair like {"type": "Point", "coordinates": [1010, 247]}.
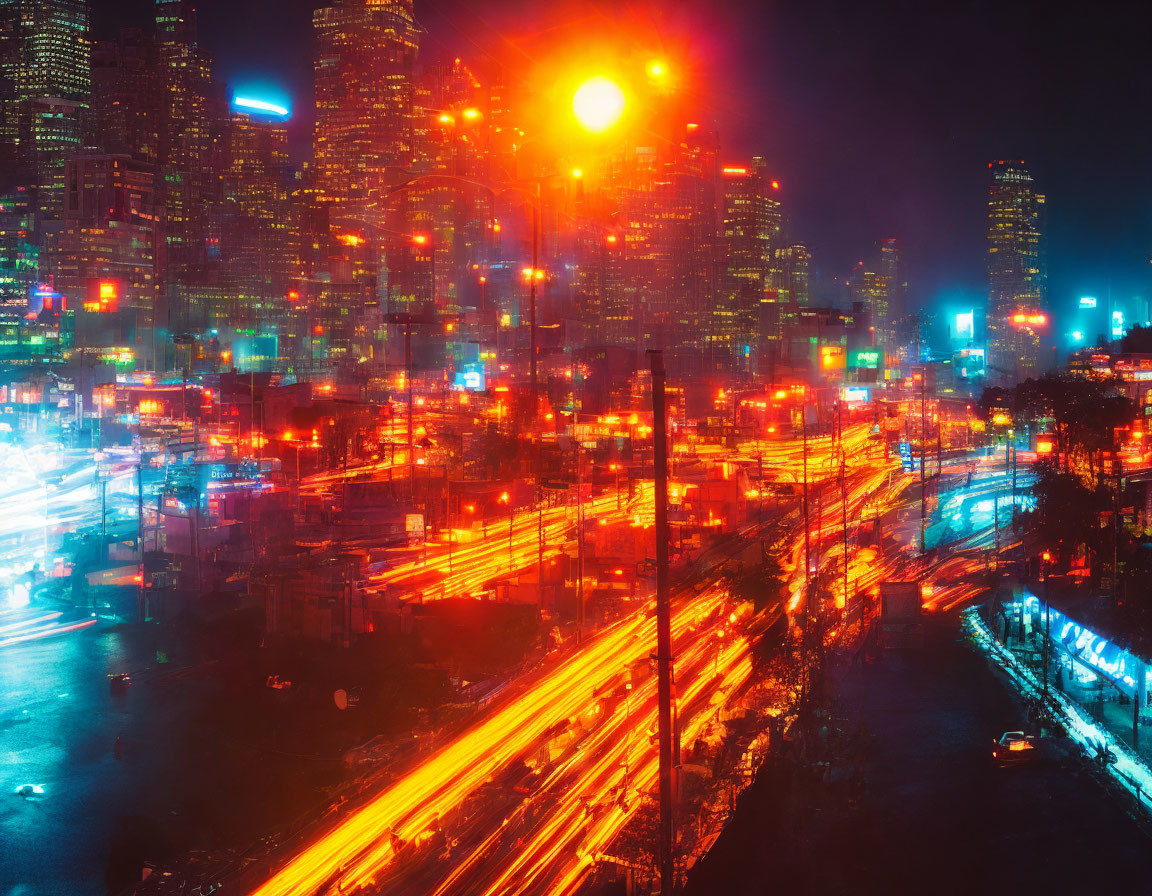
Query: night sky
{"type": "Point", "coordinates": [880, 118]}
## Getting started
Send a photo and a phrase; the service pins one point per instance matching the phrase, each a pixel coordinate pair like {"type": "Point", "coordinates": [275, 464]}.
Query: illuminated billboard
{"type": "Point", "coordinates": [260, 107]}
{"type": "Point", "coordinates": [966, 325]}
{"type": "Point", "coordinates": [1087, 302]}
{"type": "Point", "coordinates": [470, 377]}
{"type": "Point", "coordinates": [251, 353]}
{"type": "Point", "coordinates": [969, 363]}
{"type": "Point", "coordinates": [864, 358]}
{"type": "Point", "coordinates": [832, 357]}
{"type": "Point", "coordinates": [103, 296]}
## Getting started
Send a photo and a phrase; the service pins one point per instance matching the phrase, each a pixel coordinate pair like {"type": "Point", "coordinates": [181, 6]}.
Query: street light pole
{"type": "Point", "coordinates": [141, 604]}
{"type": "Point", "coordinates": [844, 511]}
{"type": "Point", "coordinates": [532, 296]}
{"type": "Point", "coordinates": [408, 383]}
{"type": "Point", "coordinates": [923, 449]}
{"type": "Point", "coordinates": [511, 516]}
{"type": "Point", "coordinates": [663, 624]}
{"type": "Point", "coordinates": [579, 547]}
{"type": "Point", "coordinates": [807, 527]}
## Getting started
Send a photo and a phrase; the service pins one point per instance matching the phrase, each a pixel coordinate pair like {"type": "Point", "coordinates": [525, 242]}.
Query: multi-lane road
{"type": "Point", "coordinates": [529, 799]}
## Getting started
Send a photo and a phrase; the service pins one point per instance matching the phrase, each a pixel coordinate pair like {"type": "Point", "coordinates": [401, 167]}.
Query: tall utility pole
{"type": "Point", "coordinates": [923, 449]}
{"type": "Point", "coordinates": [408, 383]}
{"type": "Point", "coordinates": [844, 512]}
{"type": "Point", "coordinates": [540, 540]}
{"type": "Point", "coordinates": [939, 445]}
{"type": "Point", "coordinates": [1047, 631]}
{"type": "Point", "coordinates": [141, 608]}
{"type": "Point", "coordinates": [579, 548]}
{"type": "Point", "coordinates": [843, 490]}
{"type": "Point", "coordinates": [1118, 469]}
{"type": "Point", "coordinates": [1013, 483]}
{"type": "Point", "coordinates": [532, 298]}
{"type": "Point", "coordinates": [663, 624]}
{"type": "Point", "coordinates": [807, 527]}
{"type": "Point", "coordinates": [996, 513]}
{"type": "Point", "coordinates": [103, 518]}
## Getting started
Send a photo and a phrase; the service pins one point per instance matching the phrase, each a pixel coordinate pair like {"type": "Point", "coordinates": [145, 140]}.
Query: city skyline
{"type": "Point", "coordinates": [917, 167]}
{"type": "Point", "coordinates": [460, 449]}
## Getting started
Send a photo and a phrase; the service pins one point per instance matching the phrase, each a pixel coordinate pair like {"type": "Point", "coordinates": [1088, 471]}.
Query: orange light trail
{"type": "Point", "coordinates": [557, 853]}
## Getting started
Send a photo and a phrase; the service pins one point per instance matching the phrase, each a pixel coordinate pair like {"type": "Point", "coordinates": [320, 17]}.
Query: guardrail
{"type": "Point", "coordinates": [1129, 769]}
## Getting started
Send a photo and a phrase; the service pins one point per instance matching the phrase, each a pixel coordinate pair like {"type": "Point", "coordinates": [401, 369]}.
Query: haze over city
{"type": "Point", "coordinates": [484, 448]}
{"type": "Point", "coordinates": [880, 121]}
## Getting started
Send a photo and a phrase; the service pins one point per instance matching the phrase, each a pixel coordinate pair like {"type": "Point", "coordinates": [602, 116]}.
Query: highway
{"type": "Point", "coordinates": [531, 797]}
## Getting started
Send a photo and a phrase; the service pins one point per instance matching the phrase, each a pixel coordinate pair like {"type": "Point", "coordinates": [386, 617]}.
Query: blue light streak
{"type": "Point", "coordinates": [250, 104]}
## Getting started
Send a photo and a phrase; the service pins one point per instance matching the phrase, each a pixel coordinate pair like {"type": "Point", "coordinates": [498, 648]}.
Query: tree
{"type": "Point", "coordinates": [1137, 341]}
{"type": "Point", "coordinates": [763, 585]}
{"type": "Point", "coordinates": [1082, 413]}
{"type": "Point", "coordinates": [1068, 512]}
{"type": "Point", "coordinates": [994, 397]}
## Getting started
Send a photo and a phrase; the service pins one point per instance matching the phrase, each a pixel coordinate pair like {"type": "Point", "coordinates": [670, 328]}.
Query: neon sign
{"type": "Point", "coordinates": [254, 105]}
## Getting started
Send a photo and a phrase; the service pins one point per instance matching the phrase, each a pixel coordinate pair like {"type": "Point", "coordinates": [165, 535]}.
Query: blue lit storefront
{"type": "Point", "coordinates": [1090, 658]}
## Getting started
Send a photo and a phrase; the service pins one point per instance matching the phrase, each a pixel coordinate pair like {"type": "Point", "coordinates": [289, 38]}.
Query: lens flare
{"type": "Point", "coordinates": [598, 104]}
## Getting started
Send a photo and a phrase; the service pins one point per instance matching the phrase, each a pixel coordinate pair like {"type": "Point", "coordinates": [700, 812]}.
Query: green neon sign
{"type": "Point", "coordinates": [868, 358]}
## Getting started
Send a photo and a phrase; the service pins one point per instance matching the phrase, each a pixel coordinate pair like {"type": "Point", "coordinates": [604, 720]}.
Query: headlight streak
{"type": "Point", "coordinates": [556, 854]}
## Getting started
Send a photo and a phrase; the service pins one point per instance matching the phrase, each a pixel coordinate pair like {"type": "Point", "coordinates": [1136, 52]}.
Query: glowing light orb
{"type": "Point", "coordinates": [598, 104]}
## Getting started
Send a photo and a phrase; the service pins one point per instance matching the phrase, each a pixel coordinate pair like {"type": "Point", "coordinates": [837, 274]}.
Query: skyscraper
{"type": "Point", "coordinates": [451, 137]}
{"type": "Point", "coordinates": [127, 114]}
{"type": "Point", "coordinates": [44, 86]}
{"type": "Point", "coordinates": [194, 116]}
{"type": "Point", "coordinates": [19, 254]}
{"type": "Point", "coordinates": [1016, 273]}
{"type": "Point", "coordinates": [259, 223]}
{"type": "Point", "coordinates": [365, 60]}
{"type": "Point", "coordinates": [753, 229]}
{"type": "Point", "coordinates": [795, 264]}
{"type": "Point", "coordinates": [106, 255]}
{"type": "Point", "coordinates": [878, 284]}
{"type": "Point", "coordinates": [668, 199]}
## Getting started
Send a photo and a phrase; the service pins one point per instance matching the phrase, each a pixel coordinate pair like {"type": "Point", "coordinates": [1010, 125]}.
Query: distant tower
{"type": "Point", "coordinates": [106, 253]}
{"type": "Point", "coordinates": [795, 262]}
{"type": "Point", "coordinates": [44, 87]}
{"type": "Point", "coordinates": [364, 65]}
{"type": "Point", "coordinates": [753, 228]}
{"type": "Point", "coordinates": [259, 224]}
{"type": "Point", "coordinates": [879, 285]}
{"type": "Point", "coordinates": [1017, 307]}
{"type": "Point", "coordinates": [194, 113]}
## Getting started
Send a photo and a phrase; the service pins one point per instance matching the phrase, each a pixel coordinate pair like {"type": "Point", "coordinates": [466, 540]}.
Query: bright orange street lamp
{"type": "Point", "coordinates": [598, 104]}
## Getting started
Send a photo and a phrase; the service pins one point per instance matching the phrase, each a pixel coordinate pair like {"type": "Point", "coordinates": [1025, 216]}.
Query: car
{"type": "Point", "coordinates": [120, 681]}
{"type": "Point", "coordinates": [1013, 748]}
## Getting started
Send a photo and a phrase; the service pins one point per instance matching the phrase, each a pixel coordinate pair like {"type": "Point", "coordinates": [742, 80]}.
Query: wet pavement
{"type": "Point", "coordinates": [933, 812]}
{"type": "Point", "coordinates": [178, 785]}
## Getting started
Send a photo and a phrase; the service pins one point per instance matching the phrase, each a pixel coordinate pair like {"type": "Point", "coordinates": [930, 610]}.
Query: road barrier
{"type": "Point", "coordinates": [1128, 770]}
